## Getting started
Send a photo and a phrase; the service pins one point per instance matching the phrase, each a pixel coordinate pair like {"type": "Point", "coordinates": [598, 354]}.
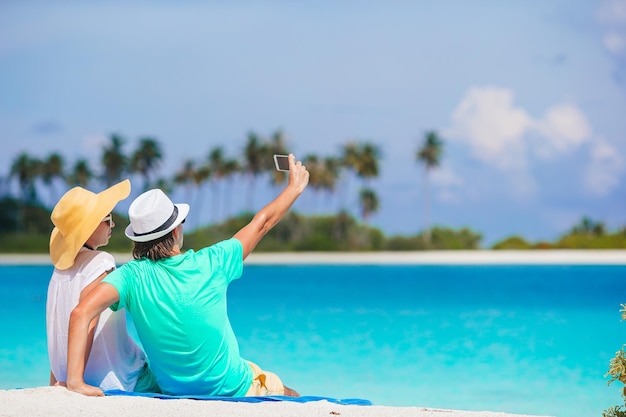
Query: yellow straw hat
{"type": "Point", "coordinates": [76, 216]}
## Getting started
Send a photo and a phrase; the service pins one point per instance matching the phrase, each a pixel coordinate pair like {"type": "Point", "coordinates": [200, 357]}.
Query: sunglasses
{"type": "Point", "coordinates": [109, 219]}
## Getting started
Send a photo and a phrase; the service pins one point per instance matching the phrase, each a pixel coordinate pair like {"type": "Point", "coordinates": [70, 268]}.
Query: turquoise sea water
{"type": "Point", "coordinates": [518, 339]}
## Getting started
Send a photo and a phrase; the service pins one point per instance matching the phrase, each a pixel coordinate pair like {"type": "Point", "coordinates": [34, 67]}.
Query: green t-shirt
{"type": "Point", "coordinates": [179, 308]}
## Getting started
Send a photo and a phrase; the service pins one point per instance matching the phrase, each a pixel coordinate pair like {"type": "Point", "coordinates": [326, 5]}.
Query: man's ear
{"type": "Point", "coordinates": [176, 232]}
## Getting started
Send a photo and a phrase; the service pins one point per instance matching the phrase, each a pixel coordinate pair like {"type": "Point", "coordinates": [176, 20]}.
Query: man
{"type": "Point", "coordinates": [178, 300]}
{"type": "Point", "coordinates": [82, 224]}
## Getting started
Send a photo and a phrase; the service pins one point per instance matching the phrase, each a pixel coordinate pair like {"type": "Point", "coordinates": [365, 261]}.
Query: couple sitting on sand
{"type": "Point", "coordinates": [177, 299]}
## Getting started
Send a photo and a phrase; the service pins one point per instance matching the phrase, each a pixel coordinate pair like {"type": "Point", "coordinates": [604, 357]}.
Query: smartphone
{"type": "Point", "coordinates": [281, 162]}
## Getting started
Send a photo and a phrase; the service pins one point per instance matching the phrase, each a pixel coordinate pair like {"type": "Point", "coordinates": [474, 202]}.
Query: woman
{"type": "Point", "coordinates": [83, 223]}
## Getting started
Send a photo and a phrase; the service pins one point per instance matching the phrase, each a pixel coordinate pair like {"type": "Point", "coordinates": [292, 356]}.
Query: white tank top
{"type": "Point", "coordinates": [115, 359]}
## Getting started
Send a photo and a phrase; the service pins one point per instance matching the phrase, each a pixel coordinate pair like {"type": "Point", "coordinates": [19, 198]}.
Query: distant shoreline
{"type": "Point", "coordinates": [464, 257]}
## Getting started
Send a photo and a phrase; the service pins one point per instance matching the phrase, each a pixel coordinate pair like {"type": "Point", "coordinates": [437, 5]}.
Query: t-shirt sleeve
{"type": "Point", "coordinates": [117, 278]}
{"type": "Point", "coordinates": [230, 255]}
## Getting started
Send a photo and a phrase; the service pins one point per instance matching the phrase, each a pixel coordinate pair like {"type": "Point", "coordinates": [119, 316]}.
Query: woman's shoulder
{"type": "Point", "coordinates": [91, 256]}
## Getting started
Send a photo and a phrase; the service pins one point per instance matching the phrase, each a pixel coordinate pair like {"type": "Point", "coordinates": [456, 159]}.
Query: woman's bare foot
{"type": "Point", "coordinates": [290, 393]}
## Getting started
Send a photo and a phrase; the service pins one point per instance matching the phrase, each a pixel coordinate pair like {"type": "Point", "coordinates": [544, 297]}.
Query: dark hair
{"type": "Point", "coordinates": [154, 249]}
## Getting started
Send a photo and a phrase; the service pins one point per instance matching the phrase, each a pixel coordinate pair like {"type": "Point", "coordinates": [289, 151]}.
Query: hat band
{"type": "Point", "coordinates": [164, 226]}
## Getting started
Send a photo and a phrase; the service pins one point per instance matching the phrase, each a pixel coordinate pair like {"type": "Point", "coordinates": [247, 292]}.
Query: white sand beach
{"type": "Point", "coordinates": [59, 402]}
{"type": "Point", "coordinates": [465, 257]}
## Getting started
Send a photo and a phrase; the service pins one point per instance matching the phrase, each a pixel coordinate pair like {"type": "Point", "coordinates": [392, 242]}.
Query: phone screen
{"type": "Point", "coordinates": [281, 162]}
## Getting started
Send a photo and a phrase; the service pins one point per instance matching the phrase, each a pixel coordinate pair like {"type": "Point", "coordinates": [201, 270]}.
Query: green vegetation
{"type": "Point", "coordinates": [439, 238]}
{"type": "Point", "coordinates": [617, 372]}
{"type": "Point", "coordinates": [295, 232]}
{"type": "Point", "coordinates": [429, 155]}
{"type": "Point", "coordinates": [25, 219]}
{"type": "Point", "coordinates": [587, 234]}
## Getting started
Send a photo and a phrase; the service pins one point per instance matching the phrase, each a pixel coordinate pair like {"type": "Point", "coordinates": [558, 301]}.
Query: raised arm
{"type": "Point", "coordinates": [271, 214]}
{"type": "Point", "coordinates": [94, 303]}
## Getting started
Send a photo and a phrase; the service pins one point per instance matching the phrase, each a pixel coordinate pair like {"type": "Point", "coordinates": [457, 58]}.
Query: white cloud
{"type": "Point", "coordinates": [502, 135]}
{"type": "Point", "coordinates": [612, 19]}
{"type": "Point", "coordinates": [604, 170]}
{"type": "Point", "coordinates": [615, 43]}
{"type": "Point", "coordinates": [563, 128]}
{"type": "Point", "coordinates": [487, 119]}
{"type": "Point", "coordinates": [612, 12]}
{"type": "Point", "coordinates": [499, 133]}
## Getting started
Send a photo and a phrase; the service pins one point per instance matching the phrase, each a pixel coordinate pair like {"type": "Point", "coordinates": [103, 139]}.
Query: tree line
{"type": "Point", "coordinates": [27, 217]}
{"type": "Point", "coordinates": [355, 159]}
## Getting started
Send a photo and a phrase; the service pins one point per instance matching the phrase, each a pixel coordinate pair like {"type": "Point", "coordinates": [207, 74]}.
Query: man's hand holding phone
{"type": "Point", "coordinates": [298, 174]}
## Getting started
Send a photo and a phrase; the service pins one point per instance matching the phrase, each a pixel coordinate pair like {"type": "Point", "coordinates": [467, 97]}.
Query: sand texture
{"type": "Point", "coordinates": [59, 402]}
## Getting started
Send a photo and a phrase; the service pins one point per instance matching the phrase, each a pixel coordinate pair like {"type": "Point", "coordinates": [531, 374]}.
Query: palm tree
{"type": "Point", "coordinates": [192, 176]}
{"type": "Point", "coordinates": [164, 185]}
{"type": "Point", "coordinates": [350, 155]}
{"type": "Point", "coordinates": [369, 203]}
{"type": "Point", "coordinates": [362, 159]}
{"type": "Point", "coordinates": [186, 176]}
{"type": "Point", "coordinates": [429, 154]}
{"type": "Point", "coordinates": [26, 169]}
{"type": "Point", "coordinates": [330, 175]}
{"type": "Point", "coordinates": [114, 161]}
{"type": "Point", "coordinates": [587, 226]}
{"type": "Point", "coordinates": [146, 159]}
{"type": "Point", "coordinates": [218, 169]}
{"type": "Point", "coordinates": [230, 169]}
{"type": "Point", "coordinates": [4, 185]}
{"type": "Point", "coordinates": [277, 145]}
{"type": "Point", "coordinates": [316, 172]}
{"type": "Point", "coordinates": [367, 166]}
{"type": "Point", "coordinates": [81, 174]}
{"type": "Point", "coordinates": [254, 154]}
{"type": "Point", "coordinates": [53, 167]}
{"type": "Point", "coordinates": [349, 162]}
{"type": "Point", "coordinates": [203, 174]}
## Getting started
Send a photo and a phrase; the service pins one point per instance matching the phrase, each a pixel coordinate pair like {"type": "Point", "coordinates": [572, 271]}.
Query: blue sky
{"type": "Point", "coordinates": [529, 97]}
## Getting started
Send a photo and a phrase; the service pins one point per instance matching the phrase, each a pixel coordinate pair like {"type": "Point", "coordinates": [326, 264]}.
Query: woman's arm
{"type": "Point", "coordinates": [94, 303]}
{"type": "Point", "coordinates": [92, 326]}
